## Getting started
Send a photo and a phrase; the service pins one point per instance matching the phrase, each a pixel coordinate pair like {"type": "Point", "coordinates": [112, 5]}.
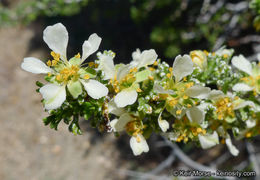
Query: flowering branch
{"type": "Point", "coordinates": [200, 98]}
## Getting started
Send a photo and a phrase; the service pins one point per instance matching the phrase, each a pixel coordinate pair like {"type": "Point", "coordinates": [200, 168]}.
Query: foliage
{"type": "Point", "coordinates": [28, 11]}
{"type": "Point", "coordinates": [255, 5]}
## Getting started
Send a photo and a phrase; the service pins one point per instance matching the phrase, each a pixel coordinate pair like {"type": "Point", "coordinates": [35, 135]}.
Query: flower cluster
{"type": "Point", "coordinates": [200, 98]}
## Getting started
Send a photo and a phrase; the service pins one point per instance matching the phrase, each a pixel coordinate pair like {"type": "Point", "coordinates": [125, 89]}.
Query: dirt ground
{"type": "Point", "coordinates": [28, 149]}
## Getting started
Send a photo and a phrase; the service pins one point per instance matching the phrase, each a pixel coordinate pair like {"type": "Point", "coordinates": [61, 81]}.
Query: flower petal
{"type": "Point", "coordinates": [182, 66]}
{"type": "Point", "coordinates": [122, 121]}
{"type": "Point", "coordinates": [233, 150]}
{"type": "Point", "coordinates": [113, 109]}
{"type": "Point", "coordinates": [208, 140]}
{"type": "Point", "coordinates": [164, 125]}
{"type": "Point", "coordinates": [198, 92]}
{"type": "Point", "coordinates": [241, 63]}
{"type": "Point", "coordinates": [107, 66]}
{"type": "Point", "coordinates": [54, 95]}
{"type": "Point", "coordinates": [75, 88]}
{"type": "Point", "coordinates": [95, 89]}
{"type": "Point", "coordinates": [242, 87]}
{"type": "Point", "coordinates": [126, 97]}
{"type": "Point", "coordinates": [57, 38]}
{"type": "Point", "coordinates": [195, 115]}
{"type": "Point", "coordinates": [148, 57]}
{"type": "Point", "coordinates": [35, 66]}
{"type": "Point", "coordinates": [139, 144]}
{"type": "Point", "coordinates": [250, 123]}
{"type": "Point", "coordinates": [243, 104]}
{"type": "Point", "coordinates": [215, 94]}
{"type": "Point", "coordinates": [160, 90]}
{"type": "Point", "coordinates": [90, 46]}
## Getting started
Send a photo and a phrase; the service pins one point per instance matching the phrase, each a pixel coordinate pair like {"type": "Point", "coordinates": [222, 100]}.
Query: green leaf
{"type": "Point", "coordinates": [142, 75]}
{"type": "Point", "coordinates": [75, 88]}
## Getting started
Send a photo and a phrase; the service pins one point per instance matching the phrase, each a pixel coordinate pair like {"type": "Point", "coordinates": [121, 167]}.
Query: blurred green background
{"type": "Point", "coordinates": [169, 26]}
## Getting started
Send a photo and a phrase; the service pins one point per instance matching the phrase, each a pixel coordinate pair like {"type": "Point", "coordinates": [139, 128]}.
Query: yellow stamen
{"type": "Point", "coordinates": [199, 130]}
{"type": "Point", "coordinates": [151, 69]}
{"type": "Point", "coordinates": [77, 55]}
{"type": "Point", "coordinates": [55, 56]}
{"type": "Point", "coordinates": [139, 90]}
{"type": "Point", "coordinates": [58, 77]}
{"type": "Point", "coordinates": [155, 63]}
{"type": "Point", "coordinates": [206, 52]}
{"type": "Point", "coordinates": [86, 76]}
{"type": "Point", "coordinates": [49, 74]}
{"type": "Point", "coordinates": [170, 69]}
{"type": "Point", "coordinates": [248, 134]}
{"type": "Point", "coordinates": [178, 112]}
{"type": "Point", "coordinates": [91, 64]}
{"type": "Point", "coordinates": [168, 75]}
{"type": "Point", "coordinates": [54, 62]}
{"type": "Point", "coordinates": [151, 78]}
{"type": "Point", "coordinates": [185, 97]}
{"type": "Point", "coordinates": [49, 62]}
{"type": "Point", "coordinates": [225, 56]}
{"type": "Point", "coordinates": [133, 70]}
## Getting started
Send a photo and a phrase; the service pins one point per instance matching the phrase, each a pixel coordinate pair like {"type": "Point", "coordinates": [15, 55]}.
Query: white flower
{"type": "Point", "coordinates": [208, 140]}
{"type": "Point", "coordinates": [126, 96]}
{"type": "Point", "coordinates": [138, 144]}
{"type": "Point", "coordinates": [56, 37]}
{"type": "Point", "coordinates": [147, 57]}
{"type": "Point", "coordinates": [118, 125]}
{"type": "Point", "coordinates": [163, 124]}
{"type": "Point", "coordinates": [224, 52]}
{"type": "Point", "coordinates": [226, 104]}
{"type": "Point", "coordinates": [233, 150]}
{"type": "Point", "coordinates": [250, 82]}
{"type": "Point", "coordinates": [137, 141]}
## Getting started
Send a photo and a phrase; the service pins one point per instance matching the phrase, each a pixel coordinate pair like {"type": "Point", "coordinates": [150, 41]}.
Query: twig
{"type": "Point", "coordinates": [253, 158]}
{"type": "Point", "coordinates": [141, 175]}
{"type": "Point", "coordinates": [166, 163]}
{"type": "Point", "coordinates": [189, 162]}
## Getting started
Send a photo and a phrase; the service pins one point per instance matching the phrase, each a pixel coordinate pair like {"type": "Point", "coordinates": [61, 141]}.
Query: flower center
{"type": "Point", "coordinates": [225, 108]}
{"type": "Point", "coordinates": [68, 73]}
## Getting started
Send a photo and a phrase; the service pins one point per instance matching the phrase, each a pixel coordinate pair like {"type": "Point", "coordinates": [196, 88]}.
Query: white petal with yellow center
{"type": "Point", "coordinates": [126, 97]}
{"type": "Point", "coordinates": [35, 66]}
{"type": "Point", "coordinates": [208, 140]}
{"type": "Point", "coordinates": [182, 66]}
{"type": "Point", "coordinates": [242, 87]}
{"type": "Point", "coordinates": [90, 46]}
{"type": "Point", "coordinates": [241, 63]}
{"type": "Point", "coordinates": [54, 95]}
{"type": "Point", "coordinates": [198, 92]}
{"type": "Point", "coordinates": [138, 144]}
{"type": "Point", "coordinates": [94, 88]}
{"type": "Point", "coordinates": [57, 37]}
